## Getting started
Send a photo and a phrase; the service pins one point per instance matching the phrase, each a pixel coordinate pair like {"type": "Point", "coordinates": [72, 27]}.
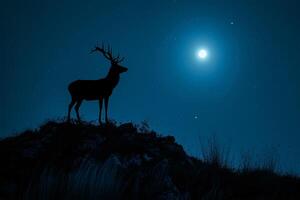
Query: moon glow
{"type": "Point", "coordinates": [202, 54]}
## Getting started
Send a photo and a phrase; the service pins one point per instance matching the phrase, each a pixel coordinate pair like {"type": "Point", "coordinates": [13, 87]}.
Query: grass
{"type": "Point", "coordinates": [219, 155]}
{"type": "Point", "coordinates": [215, 154]}
{"type": "Point", "coordinates": [91, 180]}
{"type": "Point", "coordinates": [84, 161]}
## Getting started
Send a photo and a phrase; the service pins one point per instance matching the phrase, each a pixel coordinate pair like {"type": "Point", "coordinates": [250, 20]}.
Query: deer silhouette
{"type": "Point", "coordinates": [97, 89]}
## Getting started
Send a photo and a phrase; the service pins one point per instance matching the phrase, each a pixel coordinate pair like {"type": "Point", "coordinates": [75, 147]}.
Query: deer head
{"type": "Point", "coordinates": [106, 51]}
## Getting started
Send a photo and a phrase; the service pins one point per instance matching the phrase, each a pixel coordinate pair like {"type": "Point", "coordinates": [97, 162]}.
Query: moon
{"type": "Point", "coordinates": [202, 54]}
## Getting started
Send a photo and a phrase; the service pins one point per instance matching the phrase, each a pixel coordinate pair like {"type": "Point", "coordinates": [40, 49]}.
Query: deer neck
{"type": "Point", "coordinates": [113, 78]}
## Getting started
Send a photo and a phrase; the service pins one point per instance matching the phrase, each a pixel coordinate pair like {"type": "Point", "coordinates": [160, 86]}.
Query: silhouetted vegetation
{"type": "Point", "coordinates": [83, 161]}
{"type": "Point", "coordinates": [269, 162]}
{"type": "Point", "coordinates": [213, 153]}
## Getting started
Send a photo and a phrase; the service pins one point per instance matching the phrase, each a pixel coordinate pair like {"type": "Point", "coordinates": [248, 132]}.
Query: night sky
{"type": "Point", "coordinates": [247, 91]}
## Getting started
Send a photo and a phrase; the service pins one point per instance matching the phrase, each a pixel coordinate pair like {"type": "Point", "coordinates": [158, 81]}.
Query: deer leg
{"type": "Point", "coordinates": [77, 109]}
{"type": "Point", "coordinates": [106, 107]}
{"type": "Point", "coordinates": [70, 108]}
{"type": "Point", "coordinates": [100, 106]}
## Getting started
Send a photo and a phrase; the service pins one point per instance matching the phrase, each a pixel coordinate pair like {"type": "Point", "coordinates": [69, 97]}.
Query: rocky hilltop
{"type": "Point", "coordinates": [83, 161]}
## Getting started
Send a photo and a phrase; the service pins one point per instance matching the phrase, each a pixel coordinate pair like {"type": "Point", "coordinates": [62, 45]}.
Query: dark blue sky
{"type": "Point", "coordinates": [247, 92]}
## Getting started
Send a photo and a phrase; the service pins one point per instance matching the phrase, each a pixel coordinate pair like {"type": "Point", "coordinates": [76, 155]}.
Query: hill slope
{"type": "Point", "coordinates": [84, 161]}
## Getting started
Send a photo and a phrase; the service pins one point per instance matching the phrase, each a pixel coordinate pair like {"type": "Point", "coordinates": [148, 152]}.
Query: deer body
{"type": "Point", "coordinates": [92, 89]}
{"type": "Point", "coordinates": [96, 89]}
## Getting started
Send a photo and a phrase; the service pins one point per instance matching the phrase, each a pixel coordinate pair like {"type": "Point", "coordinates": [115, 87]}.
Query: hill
{"type": "Point", "coordinates": [83, 161]}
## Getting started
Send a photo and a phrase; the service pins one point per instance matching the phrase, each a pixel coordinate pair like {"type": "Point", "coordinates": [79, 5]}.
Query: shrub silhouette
{"type": "Point", "coordinates": [83, 161]}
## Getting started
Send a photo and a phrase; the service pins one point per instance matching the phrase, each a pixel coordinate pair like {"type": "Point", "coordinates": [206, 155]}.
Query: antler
{"type": "Point", "coordinates": [107, 53]}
